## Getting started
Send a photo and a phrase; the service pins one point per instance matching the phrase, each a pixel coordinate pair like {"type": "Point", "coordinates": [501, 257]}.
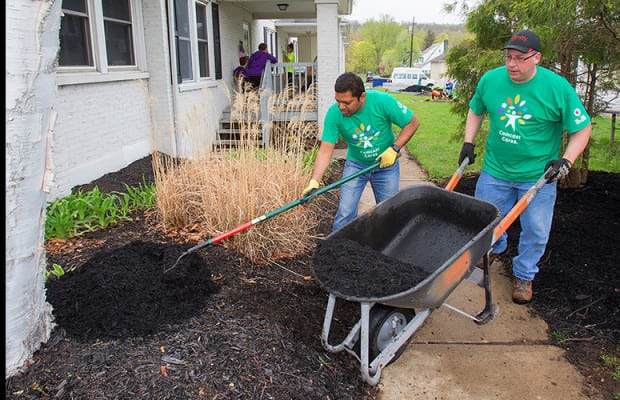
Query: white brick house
{"type": "Point", "coordinates": [91, 89]}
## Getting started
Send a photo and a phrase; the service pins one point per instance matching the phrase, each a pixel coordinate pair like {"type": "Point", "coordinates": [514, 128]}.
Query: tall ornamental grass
{"type": "Point", "coordinates": [218, 190]}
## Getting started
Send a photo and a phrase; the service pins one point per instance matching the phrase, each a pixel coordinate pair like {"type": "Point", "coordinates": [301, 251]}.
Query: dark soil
{"type": "Point", "coordinates": [342, 266]}
{"type": "Point", "coordinates": [218, 327]}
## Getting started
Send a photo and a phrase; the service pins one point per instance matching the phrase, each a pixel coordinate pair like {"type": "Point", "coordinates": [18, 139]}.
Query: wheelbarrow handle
{"type": "Point", "coordinates": [456, 177]}
{"type": "Point", "coordinates": [520, 206]}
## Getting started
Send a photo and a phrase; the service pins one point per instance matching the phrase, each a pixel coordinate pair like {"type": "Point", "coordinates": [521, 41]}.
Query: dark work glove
{"type": "Point", "coordinates": [559, 169]}
{"type": "Point", "coordinates": [467, 151]}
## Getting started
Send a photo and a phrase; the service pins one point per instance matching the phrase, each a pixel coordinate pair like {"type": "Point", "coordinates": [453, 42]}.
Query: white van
{"type": "Point", "coordinates": [403, 77]}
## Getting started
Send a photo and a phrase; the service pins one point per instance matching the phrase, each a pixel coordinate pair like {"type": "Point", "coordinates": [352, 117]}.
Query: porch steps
{"type": "Point", "coordinates": [232, 131]}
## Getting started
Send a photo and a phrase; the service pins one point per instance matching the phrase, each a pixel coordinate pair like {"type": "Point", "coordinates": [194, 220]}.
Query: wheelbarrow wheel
{"type": "Point", "coordinates": [385, 323]}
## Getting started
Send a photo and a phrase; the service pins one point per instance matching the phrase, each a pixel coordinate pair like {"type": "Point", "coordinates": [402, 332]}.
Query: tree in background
{"type": "Point", "coordinates": [392, 42]}
{"type": "Point", "coordinates": [429, 39]}
{"type": "Point", "coordinates": [582, 44]}
{"type": "Point", "coordinates": [382, 34]}
{"type": "Point", "coordinates": [362, 56]}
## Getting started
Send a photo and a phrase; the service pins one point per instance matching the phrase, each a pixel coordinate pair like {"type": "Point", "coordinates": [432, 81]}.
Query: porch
{"type": "Point", "coordinates": [257, 114]}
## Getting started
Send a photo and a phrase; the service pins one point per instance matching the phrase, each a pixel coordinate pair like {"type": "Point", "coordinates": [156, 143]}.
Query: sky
{"type": "Point", "coordinates": [424, 11]}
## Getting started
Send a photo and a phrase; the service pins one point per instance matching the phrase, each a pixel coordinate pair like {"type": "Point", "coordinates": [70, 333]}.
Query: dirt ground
{"type": "Point", "coordinates": [219, 327]}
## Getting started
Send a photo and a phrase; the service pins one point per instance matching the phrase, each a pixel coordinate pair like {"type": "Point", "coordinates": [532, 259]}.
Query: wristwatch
{"type": "Point", "coordinates": [396, 148]}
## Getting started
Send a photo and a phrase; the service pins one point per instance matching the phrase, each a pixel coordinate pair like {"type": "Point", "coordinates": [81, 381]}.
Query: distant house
{"type": "Point", "coordinates": [433, 61]}
{"type": "Point", "coordinates": [93, 85]}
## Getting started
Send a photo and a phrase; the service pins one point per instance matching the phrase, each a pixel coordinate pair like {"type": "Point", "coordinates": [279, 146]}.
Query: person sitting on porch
{"type": "Point", "coordinates": [241, 70]}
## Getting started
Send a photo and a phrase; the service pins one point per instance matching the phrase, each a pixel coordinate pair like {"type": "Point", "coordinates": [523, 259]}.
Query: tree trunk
{"type": "Point", "coordinates": [31, 47]}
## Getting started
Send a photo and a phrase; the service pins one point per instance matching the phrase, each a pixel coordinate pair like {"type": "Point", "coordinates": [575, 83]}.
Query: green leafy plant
{"type": "Point", "coordinates": [87, 211]}
{"type": "Point", "coordinates": [613, 363]}
{"type": "Point", "coordinates": [560, 336]}
{"type": "Point", "coordinates": [56, 271]}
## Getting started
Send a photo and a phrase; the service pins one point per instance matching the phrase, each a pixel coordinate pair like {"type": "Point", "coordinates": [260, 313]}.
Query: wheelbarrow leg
{"type": "Point", "coordinates": [351, 338]}
{"type": "Point", "coordinates": [480, 277]}
{"type": "Point", "coordinates": [490, 310]}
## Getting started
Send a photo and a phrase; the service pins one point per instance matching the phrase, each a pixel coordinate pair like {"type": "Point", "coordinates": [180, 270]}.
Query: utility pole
{"type": "Point", "coordinates": [411, 43]}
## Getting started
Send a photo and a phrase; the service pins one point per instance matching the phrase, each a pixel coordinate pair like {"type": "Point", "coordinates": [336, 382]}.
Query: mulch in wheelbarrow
{"type": "Point", "coordinates": [355, 270]}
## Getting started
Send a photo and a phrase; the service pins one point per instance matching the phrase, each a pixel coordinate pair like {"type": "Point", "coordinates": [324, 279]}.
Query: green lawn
{"type": "Point", "coordinates": [437, 151]}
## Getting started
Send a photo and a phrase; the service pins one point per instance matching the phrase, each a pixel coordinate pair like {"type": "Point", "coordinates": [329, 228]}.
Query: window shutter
{"type": "Point", "coordinates": [217, 50]}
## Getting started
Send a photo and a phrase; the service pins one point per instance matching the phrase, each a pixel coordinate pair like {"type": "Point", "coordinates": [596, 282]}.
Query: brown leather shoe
{"type": "Point", "coordinates": [521, 291]}
{"type": "Point", "coordinates": [492, 256]}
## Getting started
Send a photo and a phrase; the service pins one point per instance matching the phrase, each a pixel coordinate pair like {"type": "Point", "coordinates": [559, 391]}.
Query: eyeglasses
{"type": "Point", "coordinates": [518, 59]}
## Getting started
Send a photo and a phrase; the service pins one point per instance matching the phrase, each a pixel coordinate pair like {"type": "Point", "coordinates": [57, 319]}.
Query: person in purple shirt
{"type": "Point", "coordinates": [256, 65]}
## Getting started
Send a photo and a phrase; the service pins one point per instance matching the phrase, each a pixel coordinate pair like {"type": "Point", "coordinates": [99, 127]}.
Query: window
{"type": "Point", "coordinates": [97, 34]}
{"type": "Point", "coordinates": [117, 24]}
{"type": "Point", "coordinates": [202, 39]}
{"type": "Point", "coordinates": [246, 38]}
{"type": "Point", "coordinates": [197, 46]}
{"type": "Point", "coordinates": [75, 43]}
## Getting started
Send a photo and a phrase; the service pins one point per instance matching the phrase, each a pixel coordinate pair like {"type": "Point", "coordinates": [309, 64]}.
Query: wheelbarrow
{"type": "Point", "coordinates": [438, 231]}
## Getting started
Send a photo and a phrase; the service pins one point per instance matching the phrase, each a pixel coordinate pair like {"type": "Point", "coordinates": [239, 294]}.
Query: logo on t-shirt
{"type": "Point", "coordinates": [579, 117]}
{"type": "Point", "coordinates": [514, 111]}
{"type": "Point", "coordinates": [364, 136]}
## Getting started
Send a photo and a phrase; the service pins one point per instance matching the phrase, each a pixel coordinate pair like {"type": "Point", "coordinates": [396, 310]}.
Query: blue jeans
{"type": "Point", "coordinates": [535, 220]}
{"type": "Point", "coordinates": [384, 182]}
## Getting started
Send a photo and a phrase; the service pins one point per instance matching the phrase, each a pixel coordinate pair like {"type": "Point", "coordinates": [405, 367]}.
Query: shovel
{"type": "Point", "coordinates": [273, 213]}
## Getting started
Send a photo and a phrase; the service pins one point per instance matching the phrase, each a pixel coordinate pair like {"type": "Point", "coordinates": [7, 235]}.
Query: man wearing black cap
{"type": "Point", "coordinates": [528, 107]}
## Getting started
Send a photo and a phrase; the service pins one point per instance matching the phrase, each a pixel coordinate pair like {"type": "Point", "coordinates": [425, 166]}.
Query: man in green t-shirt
{"type": "Point", "coordinates": [364, 121]}
{"type": "Point", "coordinates": [528, 107]}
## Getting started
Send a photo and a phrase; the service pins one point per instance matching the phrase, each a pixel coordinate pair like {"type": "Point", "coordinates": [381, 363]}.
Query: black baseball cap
{"type": "Point", "coordinates": [524, 41]}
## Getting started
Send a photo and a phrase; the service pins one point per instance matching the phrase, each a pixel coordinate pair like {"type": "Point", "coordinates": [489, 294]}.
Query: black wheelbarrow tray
{"type": "Point", "coordinates": [440, 232]}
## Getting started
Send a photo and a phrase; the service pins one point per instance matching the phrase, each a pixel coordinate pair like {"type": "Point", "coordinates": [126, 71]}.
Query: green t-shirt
{"type": "Point", "coordinates": [368, 132]}
{"type": "Point", "coordinates": [289, 58]}
{"type": "Point", "coordinates": [526, 121]}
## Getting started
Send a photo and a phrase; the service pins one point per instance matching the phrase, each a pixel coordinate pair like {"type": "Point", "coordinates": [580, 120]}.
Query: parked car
{"type": "Point", "coordinates": [403, 78]}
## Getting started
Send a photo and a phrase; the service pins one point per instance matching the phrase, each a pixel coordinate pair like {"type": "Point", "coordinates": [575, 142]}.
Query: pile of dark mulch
{"type": "Point", "coordinates": [139, 297]}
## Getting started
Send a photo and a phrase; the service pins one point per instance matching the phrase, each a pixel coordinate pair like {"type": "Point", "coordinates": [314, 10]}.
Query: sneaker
{"type": "Point", "coordinates": [521, 291]}
{"type": "Point", "coordinates": [492, 256]}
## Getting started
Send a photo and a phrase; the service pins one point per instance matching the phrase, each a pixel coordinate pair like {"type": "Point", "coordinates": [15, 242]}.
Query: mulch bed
{"type": "Point", "coordinates": [219, 327]}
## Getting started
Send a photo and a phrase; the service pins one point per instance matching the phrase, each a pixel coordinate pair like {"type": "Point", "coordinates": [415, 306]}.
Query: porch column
{"type": "Point", "coordinates": [329, 62]}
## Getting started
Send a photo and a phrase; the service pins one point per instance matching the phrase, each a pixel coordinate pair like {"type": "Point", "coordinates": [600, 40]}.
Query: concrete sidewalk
{"type": "Point", "coordinates": [452, 357]}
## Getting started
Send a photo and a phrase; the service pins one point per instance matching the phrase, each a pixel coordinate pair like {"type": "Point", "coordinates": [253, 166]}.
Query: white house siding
{"type": "Point", "coordinates": [31, 48]}
{"type": "Point", "coordinates": [198, 113]}
{"type": "Point", "coordinates": [307, 48]}
{"type": "Point", "coordinates": [101, 128]}
{"type": "Point", "coordinates": [156, 41]}
{"type": "Point", "coordinates": [231, 32]}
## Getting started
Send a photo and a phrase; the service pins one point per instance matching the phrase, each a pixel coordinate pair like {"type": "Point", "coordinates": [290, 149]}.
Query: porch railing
{"type": "Point", "coordinates": [275, 77]}
{"type": "Point", "coordinates": [275, 84]}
